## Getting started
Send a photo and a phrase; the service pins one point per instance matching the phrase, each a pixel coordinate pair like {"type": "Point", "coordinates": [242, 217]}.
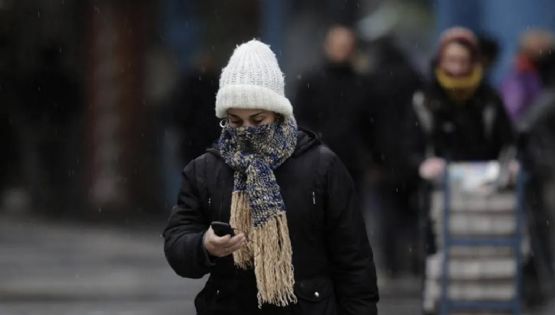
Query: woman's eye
{"type": "Point", "coordinates": [258, 120]}
{"type": "Point", "coordinates": [235, 122]}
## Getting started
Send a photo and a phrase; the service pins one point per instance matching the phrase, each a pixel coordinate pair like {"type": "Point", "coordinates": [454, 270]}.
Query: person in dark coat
{"type": "Point", "coordinates": [191, 110]}
{"type": "Point", "coordinates": [299, 243]}
{"type": "Point", "coordinates": [537, 151]}
{"type": "Point", "coordinates": [332, 102]}
{"type": "Point", "coordinates": [458, 117]}
{"type": "Point", "coordinates": [393, 82]}
{"type": "Point", "coordinates": [50, 112]}
{"type": "Point", "coordinates": [10, 158]}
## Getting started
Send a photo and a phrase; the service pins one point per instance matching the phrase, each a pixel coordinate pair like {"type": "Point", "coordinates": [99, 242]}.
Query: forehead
{"type": "Point", "coordinates": [243, 112]}
{"type": "Point", "coordinates": [456, 49]}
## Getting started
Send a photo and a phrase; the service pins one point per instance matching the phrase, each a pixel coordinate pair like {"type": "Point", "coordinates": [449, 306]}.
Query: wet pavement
{"type": "Point", "coordinates": [60, 268]}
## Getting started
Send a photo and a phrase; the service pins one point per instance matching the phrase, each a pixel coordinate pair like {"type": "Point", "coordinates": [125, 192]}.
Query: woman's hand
{"type": "Point", "coordinates": [432, 168]}
{"type": "Point", "coordinates": [222, 246]}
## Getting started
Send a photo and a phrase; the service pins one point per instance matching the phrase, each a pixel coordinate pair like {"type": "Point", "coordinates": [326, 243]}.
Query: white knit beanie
{"type": "Point", "coordinates": [252, 79]}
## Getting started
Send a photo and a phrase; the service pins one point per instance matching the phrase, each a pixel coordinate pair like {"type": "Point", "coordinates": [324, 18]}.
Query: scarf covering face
{"type": "Point", "coordinates": [257, 207]}
{"type": "Point", "coordinates": [460, 89]}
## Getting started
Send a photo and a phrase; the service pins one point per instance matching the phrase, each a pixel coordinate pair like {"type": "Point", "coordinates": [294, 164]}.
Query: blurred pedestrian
{"type": "Point", "coordinates": [392, 82]}
{"type": "Point", "coordinates": [299, 245]}
{"type": "Point", "coordinates": [332, 102]}
{"type": "Point", "coordinates": [51, 112]}
{"type": "Point", "coordinates": [523, 84]}
{"type": "Point", "coordinates": [458, 117]}
{"type": "Point", "coordinates": [10, 159]}
{"type": "Point", "coordinates": [537, 130]}
{"type": "Point", "coordinates": [191, 110]}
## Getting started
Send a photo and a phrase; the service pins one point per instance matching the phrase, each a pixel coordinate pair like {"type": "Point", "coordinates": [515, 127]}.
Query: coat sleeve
{"type": "Point", "coordinates": [353, 269]}
{"type": "Point", "coordinates": [185, 230]}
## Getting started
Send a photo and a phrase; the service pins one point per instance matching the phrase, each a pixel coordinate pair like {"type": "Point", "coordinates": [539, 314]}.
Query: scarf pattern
{"type": "Point", "coordinates": [257, 207]}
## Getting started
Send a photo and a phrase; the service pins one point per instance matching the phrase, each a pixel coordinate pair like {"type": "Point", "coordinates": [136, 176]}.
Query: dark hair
{"type": "Point", "coordinates": [546, 67]}
{"type": "Point", "coordinates": [488, 47]}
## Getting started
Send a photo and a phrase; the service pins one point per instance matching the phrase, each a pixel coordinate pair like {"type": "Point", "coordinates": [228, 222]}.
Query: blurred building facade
{"type": "Point", "coordinates": [102, 162]}
{"type": "Point", "coordinates": [128, 59]}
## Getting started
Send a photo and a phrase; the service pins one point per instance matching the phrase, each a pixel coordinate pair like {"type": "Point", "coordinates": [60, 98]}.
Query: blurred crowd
{"type": "Point", "coordinates": [398, 132]}
{"type": "Point", "coordinates": [394, 127]}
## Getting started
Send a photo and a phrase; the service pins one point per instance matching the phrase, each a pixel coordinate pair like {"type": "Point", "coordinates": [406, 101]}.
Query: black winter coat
{"type": "Point", "coordinates": [479, 129]}
{"type": "Point", "coordinates": [333, 102]}
{"type": "Point", "coordinates": [537, 143]}
{"type": "Point", "coordinates": [332, 259]}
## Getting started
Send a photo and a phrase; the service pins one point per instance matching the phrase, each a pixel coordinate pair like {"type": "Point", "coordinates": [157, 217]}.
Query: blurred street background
{"type": "Point", "coordinates": [103, 102]}
{"type": "Point", "coordinates": [57, 268]}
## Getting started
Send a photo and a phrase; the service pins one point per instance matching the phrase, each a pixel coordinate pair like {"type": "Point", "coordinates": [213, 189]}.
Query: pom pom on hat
{"type": "Point", "coordinates": [252, 79]}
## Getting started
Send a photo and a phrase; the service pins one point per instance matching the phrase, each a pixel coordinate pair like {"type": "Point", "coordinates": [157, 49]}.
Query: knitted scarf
{"type": "Point", "coordinates": [257, 207]}
{"type": "Point", "coordinates": [460, 89]}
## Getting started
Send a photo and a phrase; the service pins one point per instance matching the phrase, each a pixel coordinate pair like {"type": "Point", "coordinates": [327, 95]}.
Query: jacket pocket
{"type": "Point", "coordinates": [315, 296]}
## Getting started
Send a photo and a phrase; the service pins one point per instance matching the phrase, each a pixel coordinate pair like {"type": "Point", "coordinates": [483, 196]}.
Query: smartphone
{"type": "Point", "coordinates": [222, 228]}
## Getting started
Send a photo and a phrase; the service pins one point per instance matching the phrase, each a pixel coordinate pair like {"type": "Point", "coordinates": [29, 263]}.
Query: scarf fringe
{"type": "Point", "coordinates": [241, 220]}
{"type": "Point", "coordinates": [269, 250]}
{"type": "Point", "coordinates": [272, 262]}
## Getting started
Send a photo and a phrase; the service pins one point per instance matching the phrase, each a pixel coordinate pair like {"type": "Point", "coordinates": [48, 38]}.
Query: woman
{"type": "Point", "coordinates": [300, 245]}
{"type": "Point", "coordinates": [460, 118]}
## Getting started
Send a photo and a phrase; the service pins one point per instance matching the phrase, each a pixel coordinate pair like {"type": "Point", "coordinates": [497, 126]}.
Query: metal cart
{"type": "Point", "coordinates": [479, 234]}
